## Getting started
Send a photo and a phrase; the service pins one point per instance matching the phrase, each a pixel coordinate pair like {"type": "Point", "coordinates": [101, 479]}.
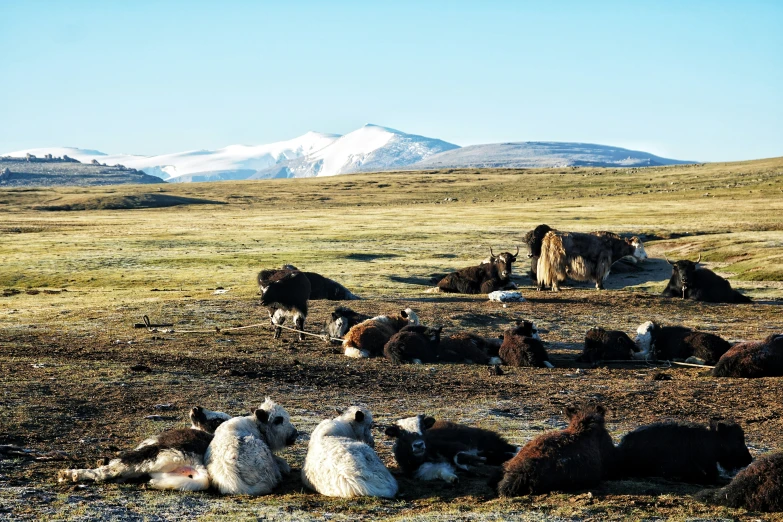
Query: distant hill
{"type": "Point", "coordinates": [541, 154]}
{"type": "Point", "coordinates": [16, 172]}
{"type": "Point", "coordinates": [370, 148]}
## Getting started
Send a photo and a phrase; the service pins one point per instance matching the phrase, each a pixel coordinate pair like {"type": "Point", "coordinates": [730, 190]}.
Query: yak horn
{"type": "Point", "coordinates": [491, 252]}
{"type": "Point", "coordinates": [517, 252]}
{"type": "Point", "coordinates": [667, 259]}
{"type": "Point", "coordinates": [698, 260]}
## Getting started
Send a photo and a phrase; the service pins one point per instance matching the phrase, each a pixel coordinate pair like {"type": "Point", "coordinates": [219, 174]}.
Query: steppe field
{"type": "Point", "coordinates": [80, 383]}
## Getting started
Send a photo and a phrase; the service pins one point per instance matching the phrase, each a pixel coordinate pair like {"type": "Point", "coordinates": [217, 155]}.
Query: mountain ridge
{"type": "Point", "coordinates": [371, 148]}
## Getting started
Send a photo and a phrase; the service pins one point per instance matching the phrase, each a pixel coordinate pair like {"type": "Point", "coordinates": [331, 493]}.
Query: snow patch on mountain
{"type": "Point", "coordinates": [542, 154]}
{"type": "Point", "coordinates": [370, 148]}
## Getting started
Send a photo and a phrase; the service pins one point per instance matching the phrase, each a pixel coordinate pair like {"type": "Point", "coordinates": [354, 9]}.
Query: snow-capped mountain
{"type": "Point", "coordinates": [542, 154]}
{"type": "Point", "coordinates": [370, 148]}
{"type": "Point", "coordinates": [232, 162]}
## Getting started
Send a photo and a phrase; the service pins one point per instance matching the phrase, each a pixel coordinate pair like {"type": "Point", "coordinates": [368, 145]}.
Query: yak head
{"type": "Point", "coordinates": [639, 253]}
{"type": "Point", "coordinates": [207, 420]}
{"type": "Point", "coordinates": [503, 262]}
{"type": "Point", "coordinates": [683, 272]}
{"type": "Point", "coordinates": [733, 453]}
{"type": "Point", "coordinates": [410, 448]}
{"type": "Point", "coordinates": [534, 238]}
{"type": "Point", "coordinates": [275, 424]}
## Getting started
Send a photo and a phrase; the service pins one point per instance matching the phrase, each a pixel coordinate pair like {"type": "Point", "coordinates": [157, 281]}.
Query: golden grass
{"type": "Point", "coordinates": [372, 231]}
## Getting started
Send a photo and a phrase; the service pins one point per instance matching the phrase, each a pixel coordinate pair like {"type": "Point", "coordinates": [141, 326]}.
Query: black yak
{"type": "Point", "coordinates": [688, 281]}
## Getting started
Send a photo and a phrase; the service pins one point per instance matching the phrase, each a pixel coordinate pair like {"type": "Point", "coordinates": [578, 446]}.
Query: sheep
{"type": "Point", "coordinates": [521, 347]}
{"type": "Point", "coordinates": [752, 359]}
{"type": "Point", "coordinates": [658, 342]}
{"type": "Point", "coordinates": [341, 462]}
{"type": "Point", "coordinates": [173, 459]}
{"type": "Point", "coordinates": [759, 487]}
{"type": "Point", "coordinates": [682, 451]}
{"type": "Point", "coordinates": [603, 345]}
{"type": "Point", "coordinates": [240, 459]}
{"type": "Point", "coordinates": [578, 457]}
{"type": "Point", "coordinates": [465, 347]}
{"type": "Point", "coordinates": [428, 449]}
{"type": "Point", "coordinates": [285, 294]}
{"type": "Point", "coordinates": [416, 344]}
{"type": "Point", "coordinates": [342, 319]}
{"type": "Point", "coordinates": [368, 338]}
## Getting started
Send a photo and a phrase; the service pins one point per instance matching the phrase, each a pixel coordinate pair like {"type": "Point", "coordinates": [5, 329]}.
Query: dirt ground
{"type": "Point", "coordinates": [98, 386]}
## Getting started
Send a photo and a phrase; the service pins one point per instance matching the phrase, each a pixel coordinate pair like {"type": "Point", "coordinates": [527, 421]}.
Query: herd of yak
{"type": "Point", "coordinates": [236, 455]}
{"type": "Point", "coordinates": [555, 256]}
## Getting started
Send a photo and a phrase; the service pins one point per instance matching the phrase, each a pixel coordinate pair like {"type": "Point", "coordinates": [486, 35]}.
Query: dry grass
{"type": "Point", "coordinates": [65, 356]}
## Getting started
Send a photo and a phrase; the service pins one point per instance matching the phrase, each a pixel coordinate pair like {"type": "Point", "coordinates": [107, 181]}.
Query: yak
{"type": "Point", "coordinates": [483, 278]}
{"type": "Point", "coordinates": [689, 281]}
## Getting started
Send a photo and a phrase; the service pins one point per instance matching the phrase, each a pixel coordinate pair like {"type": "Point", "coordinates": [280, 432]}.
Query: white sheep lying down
{"type": "Point", "coordinates": [341, 461]}
{"type": "Point", "coordinates": [240, 458]}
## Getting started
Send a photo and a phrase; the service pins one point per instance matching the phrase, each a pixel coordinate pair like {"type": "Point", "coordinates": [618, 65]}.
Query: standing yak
{"type": "Point", "coordinates": [575, 255]}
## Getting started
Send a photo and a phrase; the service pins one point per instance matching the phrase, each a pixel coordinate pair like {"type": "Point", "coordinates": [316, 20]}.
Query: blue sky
{"type": "Point", "coordinates": [689, 80]}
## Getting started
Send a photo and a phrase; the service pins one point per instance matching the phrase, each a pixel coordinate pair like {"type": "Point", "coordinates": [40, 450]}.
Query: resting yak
{"type": "Point", "coordinates": [481, 279]}
{"type": "Point", "coordinates": [691, 282]}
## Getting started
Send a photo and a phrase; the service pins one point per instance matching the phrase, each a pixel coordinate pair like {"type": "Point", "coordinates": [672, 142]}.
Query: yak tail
{"type": "Point", "coordinates": [552, 264]}
{"type": "Point", "coordinates": [741, 298]}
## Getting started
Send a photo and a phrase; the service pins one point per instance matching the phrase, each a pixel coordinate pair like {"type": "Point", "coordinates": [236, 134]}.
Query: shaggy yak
{"type": "Point", "coordinates": [632, 248]}
{"type": "Point", "coordinates": [342, 320]}
{"type": "Point", "coordinates": [241, 460]}
{"type": "Point", "coordinates": [582, 257]}
{"type": "Point", "coordinates": [682, 451]}
{"type": "Point", "coordinates": [428, 449]}
{"type": "Point", "coordinates": [759, 487]}
{"type": "Point", "coordinates": [416, 344]}
{"type": "Point", "coordinates": [666, 343]}
{"type": "Point", "coordinates": [575, 458]}
{"type": "Point", "coordinates": [481, 279]}
{"type": "Point", "coordinates": [688, 281]}
{"type": "Point", "coordinates": [173, 459]}
{"type": "Point", "coordinates": [341, 461]}
{"type": "Point", "coordinates": [753, 359]}
{"type": "Point", "coordinates": [522, 347]}
{"type": "Point", "coordinates": [607, 345]}
{"type": "Point", "coordinates": [368, 338]}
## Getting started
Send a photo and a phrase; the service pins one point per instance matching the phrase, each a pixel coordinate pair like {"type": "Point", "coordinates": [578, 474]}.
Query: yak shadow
{"type": "Point", "coordinates": [624, 274]}
{"type": "Point", "coordinates": [369, 257]}
{"type": "Point", "coordinates": [441, 298]}
{"type": "Point", "coordinates": [653, 486]}
{"type": "Point", "coordinates": [412, 280]}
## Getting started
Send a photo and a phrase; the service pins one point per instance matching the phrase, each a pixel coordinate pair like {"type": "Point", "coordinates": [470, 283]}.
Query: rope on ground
{"type": "Point", "coordinates": [153, 328]}
{"type": "Point", "coordinates": [667, 364]}
{"type": "Point", "coordinates": [693, 365]}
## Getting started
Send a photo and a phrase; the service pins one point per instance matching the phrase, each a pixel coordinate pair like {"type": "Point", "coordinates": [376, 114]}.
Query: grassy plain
{"type": "Point", "coordinates": [73, 282]}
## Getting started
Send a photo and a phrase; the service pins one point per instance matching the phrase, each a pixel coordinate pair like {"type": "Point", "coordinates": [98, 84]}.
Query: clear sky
{"type": "Point", "coordinates": [684, 79]}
